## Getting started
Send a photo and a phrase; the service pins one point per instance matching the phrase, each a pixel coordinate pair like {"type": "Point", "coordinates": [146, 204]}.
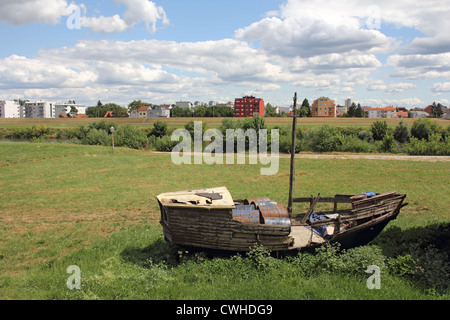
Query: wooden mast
{"type": "Point", "coordinates": [294, 144]}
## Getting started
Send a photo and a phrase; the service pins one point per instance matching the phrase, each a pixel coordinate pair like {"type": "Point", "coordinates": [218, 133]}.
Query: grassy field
{"type": "Point", "coordinates": [65, 205]}
{"type": "Point", "coordinates": [211, 122]}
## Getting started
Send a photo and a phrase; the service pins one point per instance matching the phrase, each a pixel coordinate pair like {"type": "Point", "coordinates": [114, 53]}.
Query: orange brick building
{"type": "Point", "coordinates": [323, 107]}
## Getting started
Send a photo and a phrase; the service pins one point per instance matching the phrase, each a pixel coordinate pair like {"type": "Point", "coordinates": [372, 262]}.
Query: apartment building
{"type": "Point", "coordinates": [67, 107]}
{"type": "Point", "coordinates": [10, 109]}
{"type": "Point", "coordinates": [39, 109]}
{"type": "Point", "coordinates": [323, 107]}
{"type": "Point", "coordinates": [248, 106]}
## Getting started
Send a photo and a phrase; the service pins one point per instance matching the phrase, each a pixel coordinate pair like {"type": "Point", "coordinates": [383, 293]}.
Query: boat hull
{"type": "Point", "coordinates": [213, 225]}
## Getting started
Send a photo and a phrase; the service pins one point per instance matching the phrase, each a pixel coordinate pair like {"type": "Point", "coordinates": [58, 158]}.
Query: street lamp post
{"type": "Point", "coordinates": [112, 133]}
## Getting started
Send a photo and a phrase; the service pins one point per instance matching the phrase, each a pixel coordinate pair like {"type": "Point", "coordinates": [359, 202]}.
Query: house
{"type": "Point", "coordinates": [323, 107]}
{"type": "Point", "coordinates": [158, 112]}
{"type": "Point", "coordinates": [248, 106]}
{"type": "Point", "coordinates": [140, 113]}
{"type": "Point", "coordinates": [402, 114]}
{"type": "Point", "coordinates": [388, 112]}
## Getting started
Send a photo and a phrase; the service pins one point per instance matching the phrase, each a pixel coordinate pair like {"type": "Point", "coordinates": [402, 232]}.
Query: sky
{"type": "Point", "coordinates": [377, 53]}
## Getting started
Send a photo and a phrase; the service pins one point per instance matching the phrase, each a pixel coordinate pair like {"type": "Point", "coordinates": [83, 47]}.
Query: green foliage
{"type": "Point", "coordinates": [100, 110]}
{"type": "Point", "coordinates": [357, 145]}
{"type": "Point", "coordinates": [424, 129]}
{"type": "Point", "coordinates": [97, 137]}
{"type": "Point", "coordinates": [159, 129]}
{"type": "Point", "coordinates": [432, 147]}
{"type": "Point", "coordinates": [131, 137]}
{"type": "Point", "coordinates": [165, 144]}
{"type": "Point", "coordinates": [379, 130]}
{"type": "Point", "coordinates": [324, 139]}
{"type": "Point", "coordinates": [402, 132]}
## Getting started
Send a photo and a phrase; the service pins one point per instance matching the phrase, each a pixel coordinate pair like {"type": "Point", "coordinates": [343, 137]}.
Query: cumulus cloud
{"type": "Point", "coordinates": [393, 88]}
{"type": "Point", "coordinates": [137, 11]}
{"type": "Point", "coordinates": [418, 66]}
{"type": "Point", "coordinates": [21, 12]}
{"type": "Point", "coordinates": [441, 87]}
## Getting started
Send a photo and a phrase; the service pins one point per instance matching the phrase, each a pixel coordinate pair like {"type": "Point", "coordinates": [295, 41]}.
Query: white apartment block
{"type": "Point", "coordinates": [184, 104]}
{"type": "Point", "coordinates": [10, 109]}
{"type": "Point", "coordinates": [39, 109]}
{"type": "Point", "coordinates": [66, 107]}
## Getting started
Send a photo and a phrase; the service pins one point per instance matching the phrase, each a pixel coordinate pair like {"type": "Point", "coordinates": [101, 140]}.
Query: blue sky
{"type": "Point", "coordinates": [377, 53]}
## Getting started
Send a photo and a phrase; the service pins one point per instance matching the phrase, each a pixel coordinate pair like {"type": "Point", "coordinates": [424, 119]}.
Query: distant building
{"type": "Point", "coordinates": [419, 114]}
{"type": "Point", "coordinates": [402, 114]}
{"type": "Point", "coordinates": [323, 107]}
{"type": "Point", "coordinates": [140, 113]}
{"type": "Point", "coordinates": [39, 109]}
{"type": "Point", "coordinates": [10, 109]}
{"type": "Point", "coordinates": [348, 103]}
{"type": "Point", "coordinates": [341, 109]}
{"type": "Point", "coordinates": [248, 106]}
{"type": "Point", "coordinates": [184, 104]}
{"type": "Point", "coordinates": [158, 112]}
{"type": "Point", "coordinates": [67, 107]}
{"type": "Point", "coordinates": [388, 112]}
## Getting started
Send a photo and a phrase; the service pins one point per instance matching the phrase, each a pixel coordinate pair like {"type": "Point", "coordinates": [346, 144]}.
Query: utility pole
{"type": "Point", "coordinates": [294, 144]}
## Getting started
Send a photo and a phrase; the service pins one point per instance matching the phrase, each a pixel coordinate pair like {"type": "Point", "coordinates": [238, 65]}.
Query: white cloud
{"type": "Point", "coordinates": [137, 11]}
{"type": "Point", "coordinates": [441, 87]}
{"type": "Point", "coordinates": [418, 66]}
{"type": "Point", "coordinates": [393, 88]}
{"type": "Point", "coordinates": [21, 12]}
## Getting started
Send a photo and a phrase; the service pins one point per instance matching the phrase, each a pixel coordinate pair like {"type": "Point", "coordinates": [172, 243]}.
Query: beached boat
{"type": "Point", "coordinates": [211, 219]}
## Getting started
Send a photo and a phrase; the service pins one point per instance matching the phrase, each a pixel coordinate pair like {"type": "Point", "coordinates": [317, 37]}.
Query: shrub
{"type": "Point", "coordinates": [402, 132]}
{"type": "Point", "coordinates": [379, 130]}
{"type": "Point", "coordinates": [434, 147]}
{"type": "Point", "coordinates": [159, 129]}
{"type": "Point", "coordinates": [102, 125]}
{"type": "Point", "coordinates": [424, 129]}
{"type": "Point", "coordinates": [324, 139]}
{"type": "Point", "coordinates": [366, 135]}
{"type": "Point", "coordinates": [97, 137]}
{"type": "Point", "coordinates": [354, 144]}
{"type": "Point", "coordinates": [388, 144]}
{"type": "Point", "coordinates": [165, 144]}
{"type": "Point", "coordinates": [131, 137]}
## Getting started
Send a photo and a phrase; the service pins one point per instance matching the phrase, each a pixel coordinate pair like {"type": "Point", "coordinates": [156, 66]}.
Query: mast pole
{"type": "Point", "coordinates": [294, 144]}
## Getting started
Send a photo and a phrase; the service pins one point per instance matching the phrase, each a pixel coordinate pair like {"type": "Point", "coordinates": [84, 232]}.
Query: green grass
{"type": "Point", "coordinates": [65, 205]}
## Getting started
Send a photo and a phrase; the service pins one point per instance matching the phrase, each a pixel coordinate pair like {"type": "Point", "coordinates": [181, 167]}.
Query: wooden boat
{"type": "Point", "coordinates": [212, 219]}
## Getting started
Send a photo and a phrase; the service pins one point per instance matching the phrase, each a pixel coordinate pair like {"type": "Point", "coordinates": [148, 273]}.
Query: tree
{"type": "Point", "coordinates": [159, 129]}
{"type": "Point", "coordinates": [136, 104]}
{"type": "Point", "coordinates": [402, 132]}
{"type": "Point", "coordinates": [305, 109]}
{"type": "Point", "coordinates": [270, 111]}
{"type": "Point", "coordinates": [359, 112]}
{"type": "Point", "coordinates": [436, 110]}
{"type": "Point", "coordinates": [379, 130]}
{"type": "Point", "coordinates": [424, 129]}
{"type": "Point", "coordinates": [351, 112]}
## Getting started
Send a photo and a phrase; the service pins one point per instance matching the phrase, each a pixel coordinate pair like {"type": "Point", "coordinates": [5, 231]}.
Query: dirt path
{"type": "Point", "coordinates": [373, 157]}
{"type": "Point", "coordinates": [348, 156]}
